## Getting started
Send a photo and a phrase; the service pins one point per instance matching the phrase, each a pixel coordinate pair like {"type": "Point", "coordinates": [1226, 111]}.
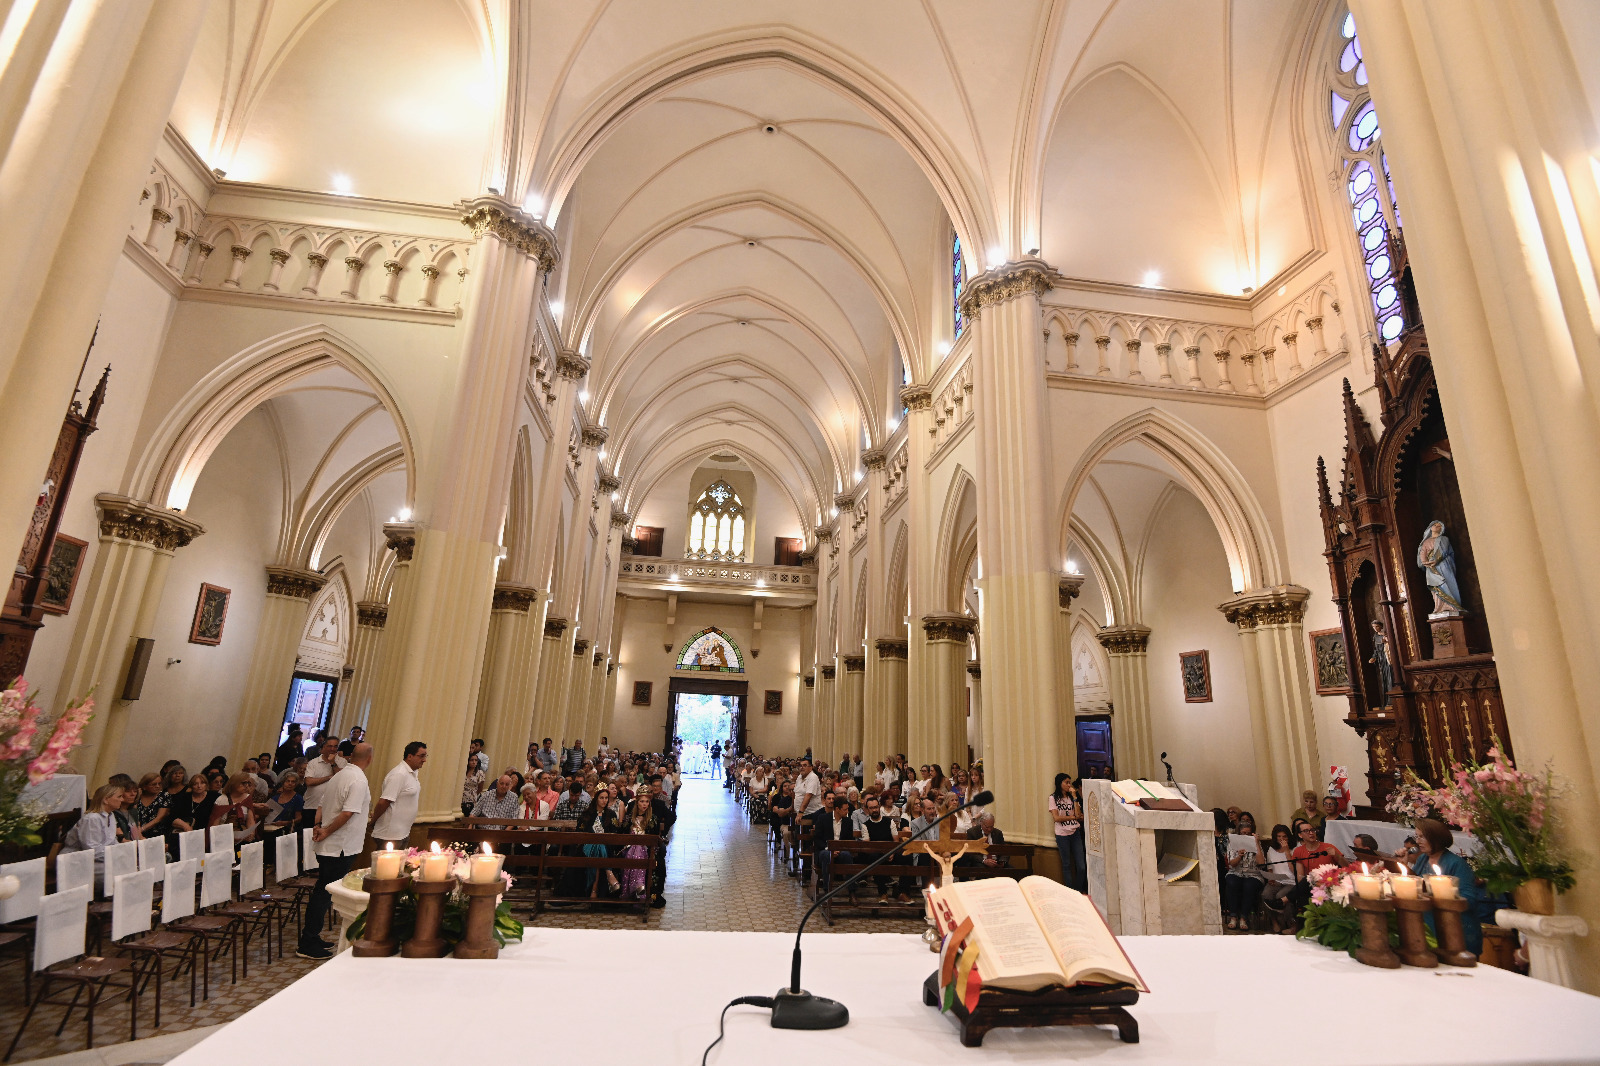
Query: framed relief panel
{"type": "Point", "coordinates": [774, 701]}
{"type": "Point", "coordinates": [1195, 669]}
{"type": "Point", "coordinates": [61, 574]}
{"type": "Point", "coordinates": [210, 612]}
{"type": "Point", "coordinates": [1330, 660]}
{"type": "Point", "coordinates": [641, 693]}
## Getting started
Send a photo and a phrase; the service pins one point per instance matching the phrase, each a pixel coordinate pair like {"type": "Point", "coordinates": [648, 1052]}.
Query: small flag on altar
{"type": "Point", "coordinates": [968, 981]}
{"type": "Point", "coordinates": [949, 954]}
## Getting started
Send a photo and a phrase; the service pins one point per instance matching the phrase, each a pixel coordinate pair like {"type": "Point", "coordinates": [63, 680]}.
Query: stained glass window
{"type": "Point", "coordinates": [958, 280]}
{"type": "Point", "coordinates": [716, 525]}
{"type": "Point", "coordinates": [710, 651]}
{"type": "Point", "coordinates": [1366, 175]}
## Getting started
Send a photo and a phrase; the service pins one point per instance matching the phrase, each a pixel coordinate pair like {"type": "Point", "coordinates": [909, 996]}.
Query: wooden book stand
{"type": "Point", "coordinates": [1047, 1007]}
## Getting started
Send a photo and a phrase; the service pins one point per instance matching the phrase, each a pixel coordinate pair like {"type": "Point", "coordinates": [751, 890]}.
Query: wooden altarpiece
{"type": "Point", "coordinates": [1444, 705]}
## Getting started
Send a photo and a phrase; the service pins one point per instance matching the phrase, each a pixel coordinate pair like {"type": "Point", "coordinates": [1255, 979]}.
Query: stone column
{"type": "Point", "coordinates": [822, 743]}
{"type": "Point", "coordinates": [117, 604]}
{"type": "Point", "coordinates": [316, 264]}
{"type": "Point", "coordinates": [1192, 354]}
{"type": "Point", "coordinates": [1018, 589]}
{"type": "Point", "coordinates": [1291, 341]}
{"type": "Point", "coordinates": [1249, 361]}
{"type": "Point", "coordinates": [922, 530]}
{"type": "Point", "coordinates": [1131, 733]}
{"type": "Point", "coordinates": [401, 538]}
{"type": "Point", "coordinates": [355, 702]}
{"type": "Point", "coordinates": [1164, 360]}
{"type": "Point", "coordinates": [807, 709]}
{"type": "Point", "coordinates": [202, 252]}
{"type": "Point", "coordinates": [618, 622]}
{"type": "Point", "coordinates": [1133, 347]}
{"type": "Point", "coordinates": [572, 720]}
{"type": "Point", "coordinates": [945, 637]}
{"type": "Point", "coordinates": [88, 89]}
{"type": "Point", "coordinates": [353, 266]}
{"type": "Point", "coordinates": [1071, 340]}
{"type": "Point", "coordinates": [852, 690]}
{"type": "Point", "coordinates": [1224, 383]}
{"type": "Point", "coordinates": [879, 723]}
{"type": "Point", "coordinates": [463, 498]}
{"type": "Point", "coordinates": [892, 658]}
{"type": "Point", "coordinates": [1492, 149]}
{"type": "Point", "coordinates": [1103, 350]}
{"type": "Point", "coordinates": [1067, 590]}
{"type": "Point", "coordinates": [555, 662]}
{"type": "Point", "coordinates": [505, 696]}
{"type": "Point", "coordinates": [240, 254]}
{"type": "Point", "coordinates": [266, 686]}
{"type": "Point", "coordinates": [279, 257]}
{"type": "Point", "coordinates": [974, 712]}
{"type": "Point", "coordinates": [1277, 681]}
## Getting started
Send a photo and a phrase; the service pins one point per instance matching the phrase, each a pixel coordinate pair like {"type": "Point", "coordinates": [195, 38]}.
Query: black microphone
{"type": "Point", "coordinates": [794, 1008]}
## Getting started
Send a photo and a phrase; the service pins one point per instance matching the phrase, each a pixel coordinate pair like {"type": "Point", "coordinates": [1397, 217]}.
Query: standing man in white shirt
{"type": "Point", "coordinates": [319, 772]}
{"type": "Point", "coordinates": [396, 808]}
{"type": "Point", "coordinates": [807, 802]}
{"type": "Point", "coordinates": [338, 841]}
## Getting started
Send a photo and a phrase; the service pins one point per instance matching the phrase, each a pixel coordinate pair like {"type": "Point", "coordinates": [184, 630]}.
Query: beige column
{"type": "Point", "coordinates": [87, 88]}
{"type": "Point", "coordinates": [505, 697]}
{"type": "Point", "coordinates": [822, 742]}
{"type": "Point", "coordinates": [922, 721]}
{"type": "Point", "coordinates": [116, 605]}
{"type": "Point", "coordinates": [619, 619]}
{"type": "Point", "coordinates": [401, 538]}
{"type": "Point", "coordinates": [355, 695]}
{"type": "Point", "coordinates": [892, 659]}
{"type": "Point", "coordinates": [1278, 683]}
{"type": "Point", "coordinates": [806, 701]}
{"type": "Point", "coordinates": [806, 709]}
{"type": "Point", "coordinates": [1491, 139]}
{"type": "Point", "coordinates": [555, 663]}
{"type": "Point", "coordinates": [852, 690]}
{"type": "Point", "coordinates": [606, 594]}
{"type": "Point", "coordinates": [462, 503]}
{"type": "Point", "coordinates": [975, 708]}
{"type": "Point", "coordinates": [878, 722]}
{"type": "Point", "coordinates": [1127, 649]}
{"type": "Point", "coordinates": [1066, 700]}
{"type": "Point", "coordinates": [591, 698]}
{"type": "Point", "coordinates": [578, 678]}
{"type": "Point", "coordinates": [945, 637]}
{"type": "Point", "coordinates": [266, 686]}
{"type": "Point", "coordinates": [1016, 544]}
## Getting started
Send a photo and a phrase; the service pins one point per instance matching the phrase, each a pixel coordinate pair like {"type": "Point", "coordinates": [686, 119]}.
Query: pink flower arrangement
{"type": "Point", "coordinates": [24, 763]}
{"type": "Point", "coordinates": [1332, 884]}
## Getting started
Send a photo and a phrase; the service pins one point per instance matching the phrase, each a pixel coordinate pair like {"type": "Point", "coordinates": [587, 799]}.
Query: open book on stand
{"type": "Point", "coordinates": [1033, 934]}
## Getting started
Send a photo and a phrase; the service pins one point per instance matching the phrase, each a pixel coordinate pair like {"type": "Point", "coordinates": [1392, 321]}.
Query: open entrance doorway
{"type": "Point", "coordinates": [310, 701]}
{"type": "Point", "coordinates": [704, 711]}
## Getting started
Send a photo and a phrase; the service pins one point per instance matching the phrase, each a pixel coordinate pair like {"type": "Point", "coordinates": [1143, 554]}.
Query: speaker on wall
{"type": "Point", "coordinates": [142, 651]}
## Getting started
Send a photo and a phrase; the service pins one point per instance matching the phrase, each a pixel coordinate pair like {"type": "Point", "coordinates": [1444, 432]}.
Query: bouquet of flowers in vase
{"type": "Point", "coordinates": [30, 753]}
{"type": "Point", "coordinates": [1413, 799]}
{"type": "Point", "coordinates": [1510, 813]}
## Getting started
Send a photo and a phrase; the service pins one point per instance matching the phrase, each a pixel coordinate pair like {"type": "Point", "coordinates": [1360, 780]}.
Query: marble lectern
{"type": "Point", "coordinates": [1124, 846]}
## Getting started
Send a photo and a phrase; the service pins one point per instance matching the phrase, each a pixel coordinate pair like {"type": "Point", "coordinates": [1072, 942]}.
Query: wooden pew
{"type": "Point", "coordinates": [546, 861]}
{"type": "Point", "coordinates": [862, 852]}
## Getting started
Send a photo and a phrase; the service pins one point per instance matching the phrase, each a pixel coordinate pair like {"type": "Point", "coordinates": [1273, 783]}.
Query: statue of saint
{"type": "Point", "coordinates": [1380, 659]}
{"type": "Point", "coordinates": [1438, 562]}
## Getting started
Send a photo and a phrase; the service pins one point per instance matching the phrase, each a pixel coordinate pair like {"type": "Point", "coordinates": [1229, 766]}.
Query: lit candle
{"type": "Point", "coordinates": [436, 867]}
{"type": "Point", "coordinates": [1405, 886]}
{"type": "Point", "coordinates": [484, 868]}
{"type": "Point", "coordinates": [1368, 885]}
{"type": "Point", "coordinates": [1441, 884]}
{"type": "Point", "coordinates": [386, 863]}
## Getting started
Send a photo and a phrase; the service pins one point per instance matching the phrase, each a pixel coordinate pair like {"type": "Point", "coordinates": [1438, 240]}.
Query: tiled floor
{"type": "Point", "coordinates": [720, 876]}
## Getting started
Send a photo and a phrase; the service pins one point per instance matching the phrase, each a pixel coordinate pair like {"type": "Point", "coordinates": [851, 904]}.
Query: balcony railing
{"type": "Point", "coordinates": [726, 575]}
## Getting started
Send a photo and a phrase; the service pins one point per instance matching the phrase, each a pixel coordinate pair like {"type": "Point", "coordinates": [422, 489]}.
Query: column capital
{"type": "Point", "coordinates": [853, 664]}
{"type": "Point", "coordinates": [1124, 640]}
{"type": "Point", "coordinates": [278, 255]}
{"type": "Point", "coordinates": [949, 626]}
{"type": "Point", "coordinates": [823, 533]}
{"type": "Point", "coordinates": [594, 434]}
{"type": "Point", "coordinates": [497, 216]}
{"type": "Point", "coordinates": [1276, 606]}
{"type": "Point", "coordinates": [874, 458]}
{"type": "Point", "coordinates": [975, 669]}
{"type": "Point", "coordinates": [621, 519]}
{"type": "Point", "coordinates": [1314, 324]}
{"type": "Point", "coordinates": [125, 518]}
{"type": "Point", "coordinates": [372, 614]}
{"type": "Point", "coordinates": [509, 597]}
{"type": "Point", "coordinates": [810, 680]}
{"type": "Point", "coordinates": [1068, 588]}
{"type": "Point", "coordinates": [891, 648]}
{"type": "Point", "coordinates": [1030, 275]}
{"type": "Point", "coordinates": [289, 581]}
{"type": "Point", "coordinates": [599, 657]}
{"type": "Point", "coordinates": [917, 397]}
{"type": "Point", "coordinates": [316, 259]}
{"type": "Point", "coordinates": [609, 483]}
{"type": "Point", "coordinates": [554, 627]}
{"type": "Point", "coordinates": [828, 671]}
{"type": "Point", "coordinates": [354, 262]}
{"type": "Point", "coordinates": [845, 501]}
{"type": "Point", "coordinates": [401, 538]}
{"type": "Point", "coordinates": [580, 646]}
{"type": "Point", "coordinates": [571, 365]}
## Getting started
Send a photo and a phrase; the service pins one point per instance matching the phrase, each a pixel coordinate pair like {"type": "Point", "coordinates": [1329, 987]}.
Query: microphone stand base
{"type": "Point", "coordinates": [802, 1010]}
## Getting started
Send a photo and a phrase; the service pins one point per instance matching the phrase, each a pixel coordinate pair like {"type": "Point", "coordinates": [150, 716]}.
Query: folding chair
{"type": "Point", "coordinates": [220, 930]}
{"type": "Point", "coordinates": [153, 855]}
{"type": "Point", "coordinates": [19, 911]}
{"type": "Point", "coordinates": [289, 894]}
{"type": "Point", "coordinates": [255, 914]}
{"type": "Point", "coordinates": [75, 869]}
{"type": "Point", "coordinates": [192, 845]}
{"type": "Point", "coordinates": [60, 935]}
{"type": "Point", "coordinates": [135, 902]}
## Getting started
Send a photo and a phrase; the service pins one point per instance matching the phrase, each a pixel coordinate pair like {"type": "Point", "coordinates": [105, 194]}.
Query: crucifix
{"type": "Point", "coordinates": [944, 851]}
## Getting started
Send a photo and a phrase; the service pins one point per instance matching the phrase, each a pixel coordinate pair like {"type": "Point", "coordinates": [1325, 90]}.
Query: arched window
{"type": "Point", "coordinates": [1365, 170]}
{"type": "Point", "coordinates": [958, 280]}
{"type": "Point", "coordinates": [716, 525]}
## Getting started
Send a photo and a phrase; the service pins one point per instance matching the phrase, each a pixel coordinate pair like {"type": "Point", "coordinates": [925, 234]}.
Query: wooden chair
{"type": "Point", "coordinates": [16, 945]}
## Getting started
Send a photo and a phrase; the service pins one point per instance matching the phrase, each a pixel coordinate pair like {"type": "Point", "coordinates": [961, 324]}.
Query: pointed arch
{"type": "Point", "coordinates": [957, 541]}
{"type": "Point", "coordinates": [896, 592]}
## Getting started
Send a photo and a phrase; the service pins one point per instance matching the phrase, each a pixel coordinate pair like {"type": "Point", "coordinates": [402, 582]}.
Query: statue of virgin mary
{"type": "Point", "coordinates": [1438, 562]}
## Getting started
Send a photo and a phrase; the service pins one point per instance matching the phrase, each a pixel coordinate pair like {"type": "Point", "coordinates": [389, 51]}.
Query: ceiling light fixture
{"type": "Point", "coordinates": [602, 454]}
{"type": "Point", "coordinates": [616, 497]}
{"type": "Point", "coordinates": [750, 244]}
{"type": "Point", "coordinates": [997, 259]}
{"type": "Point", "coordinates": [405, 514]}
{"type": "Point", "coordinates": [769, 128]}
{"type": "Point", "coordinates": [1152, 278]}
{"type": "Point", "coordinates": [342, 184]}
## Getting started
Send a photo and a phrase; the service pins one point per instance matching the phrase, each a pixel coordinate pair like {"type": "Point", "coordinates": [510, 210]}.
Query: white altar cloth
{"type": "Point", "coordinates": [1341, 833]}
{"type": "Point", "coordinates": [665, 990]}
{"type": "Point", "coordinates": [60, 794]}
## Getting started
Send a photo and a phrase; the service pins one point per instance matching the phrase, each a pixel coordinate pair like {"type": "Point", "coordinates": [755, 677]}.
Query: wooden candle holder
{"type": "Point", "coordinates": [1413, 936]}
{"type": "Point", "coordinates": [477, 941]}
{"type": "Point", "coordinates": [427, 939]}
{"type": "Point", "coordinates": [378, 938]}
{"type": "Point", "coordinates": [1452, 949]}
{"type": "Point", "coordinates": [1375, 949]}
{"type": "Point", "coordinates": [1047, 1007]}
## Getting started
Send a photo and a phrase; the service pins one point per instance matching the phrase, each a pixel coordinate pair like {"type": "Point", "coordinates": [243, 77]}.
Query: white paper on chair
{"type": "Point", "coordinates": [75, 869]}
{"type": "Point", "coordinates": [192, 845]}
{"type": "Point", "coordinates": [251, 875]}
{"type": "Point", "coordinates": [120, 859]}
{"type": "Point", "coordinates": [130, 907]}
{"type": "Point", "coordinates": [177, 890]}
{"type": "Point", "coordinates": [216, 879]}
{"type": "Point", "coordinates": [286, 862]}
{"type": "Point", "coordinates": [153, 855]}
{"type": "Point", "coordinates": [308, 849]}
{"type": "Point", "coordinates": [221, 838]}
{"type": "Point", "coordinates": [62, 926]}
{"type": "Point", "coordinates": [25, 904]}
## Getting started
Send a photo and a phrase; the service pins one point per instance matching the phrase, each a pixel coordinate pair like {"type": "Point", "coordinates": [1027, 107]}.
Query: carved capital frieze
{"type": "Point", "coordinates": [300, 584]}
{"type": "Point", "coordinates": [1280, 605]}
{"type": "Point", "coordinates": [845, 501]}
{"type": "Point", "coordinates": [622, 520]}
{"type": "Point", "coordinates": [594, 435]}
{"type": "Point", "coordinates": [1030, 276]}
{"type": "Point", "coordinates": [571, 365]}
{"type": "Point", "coordinates": [1068, 588]}
{"type": "Point", "coordinates": [891, 648]}
{"type": "Point", "coordinates": [599, 657]}
{"type": "Point", "coordinates": [124, 518]}
{"type": "Point", "coordinates": [493, 216]}
{"type": "Point", "coordinates": [509, 597]}
{"type": "Point", "coordinates": [580, 647]}
{"type": "Point", "coordinates": [401, 538]}
{"type": "Point", "coordinates": [853, 664]}
{"type": "Point", "coordinates": [975, 670]}
{"type": "Point", "coordinates": [609, 483]}
{"type": "Point", "coordinates": [828, 672]}
{"type": "Point", "coordinates": [874, 458]}
{"type": "Point", "coordinates": [372, 614]}
{"type": "Point", "coordinates": [917, 397]}
{"type": "Point", "coordinates": [554, 627]}
{"type": "Point", "coordinates": [810, 680]}
{"type": "Point", "coordinates": [948, 626]}
{"type": "Point", "coordinates": [1125, 640]}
